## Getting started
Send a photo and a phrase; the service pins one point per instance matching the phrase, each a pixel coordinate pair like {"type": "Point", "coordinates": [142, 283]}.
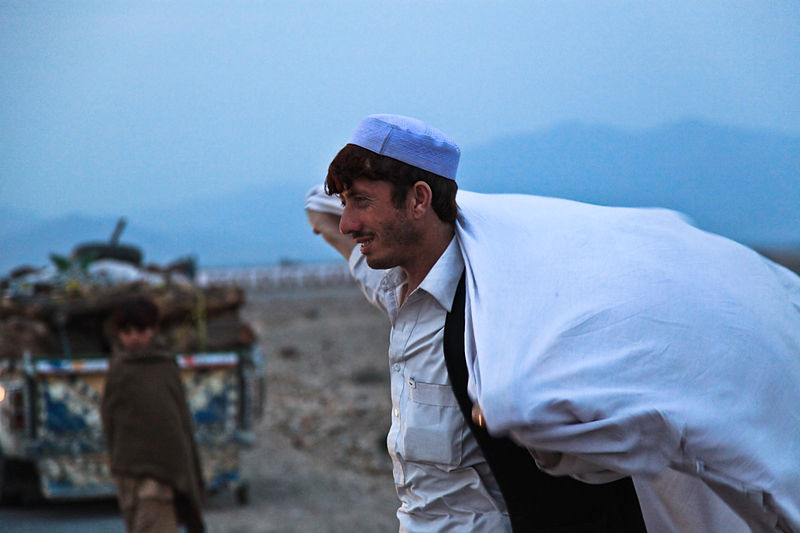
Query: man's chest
{"type": "Point", "coordinates": [416, 338]}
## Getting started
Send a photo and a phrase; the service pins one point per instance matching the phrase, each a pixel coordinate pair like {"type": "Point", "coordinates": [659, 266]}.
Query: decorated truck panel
{"type": "Point", "coordinates": [52, 438]}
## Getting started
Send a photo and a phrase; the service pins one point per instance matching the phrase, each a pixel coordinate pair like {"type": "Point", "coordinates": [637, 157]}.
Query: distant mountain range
{"type": "Point", "coordinates": [251, 227]}
{"type": "Point", "coordinates": [740, 183]}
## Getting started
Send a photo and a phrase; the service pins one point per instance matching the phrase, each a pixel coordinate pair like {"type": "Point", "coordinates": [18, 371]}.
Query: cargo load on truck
{"type": "Point", "coordinates": [55, 341]}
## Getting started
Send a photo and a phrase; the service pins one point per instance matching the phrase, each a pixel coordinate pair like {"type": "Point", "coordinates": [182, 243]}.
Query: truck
{"type": "Point", "coordinates": [55, 344]}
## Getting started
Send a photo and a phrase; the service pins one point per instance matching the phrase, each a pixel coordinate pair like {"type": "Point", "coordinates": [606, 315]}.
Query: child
{"type": "Point", "coordinates": [153, 456]}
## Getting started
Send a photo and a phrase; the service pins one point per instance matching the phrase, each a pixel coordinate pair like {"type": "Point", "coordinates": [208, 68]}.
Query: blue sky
{"type": "Point", "coordinates": [112, 106]}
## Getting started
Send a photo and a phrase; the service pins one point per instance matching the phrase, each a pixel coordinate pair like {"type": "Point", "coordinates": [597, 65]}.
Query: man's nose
{"type": "Point", "coordinates": [347, 223]}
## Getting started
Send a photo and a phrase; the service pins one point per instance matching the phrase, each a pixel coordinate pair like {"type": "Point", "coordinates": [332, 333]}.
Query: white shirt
{"type": "Point", "coordinates": [441, 476]}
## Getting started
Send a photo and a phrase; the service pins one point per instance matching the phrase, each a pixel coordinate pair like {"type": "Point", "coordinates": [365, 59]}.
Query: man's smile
{"type": "Point", "coordinates": [364, 240]}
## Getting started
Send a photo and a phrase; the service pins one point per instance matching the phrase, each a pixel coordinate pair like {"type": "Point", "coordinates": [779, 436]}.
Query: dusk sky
{"type": "Point", "coordinates": [109, 106]}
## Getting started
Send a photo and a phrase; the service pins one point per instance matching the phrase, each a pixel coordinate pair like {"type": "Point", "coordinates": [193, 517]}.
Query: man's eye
{"type": "Point", "coordinates": [358, 201]}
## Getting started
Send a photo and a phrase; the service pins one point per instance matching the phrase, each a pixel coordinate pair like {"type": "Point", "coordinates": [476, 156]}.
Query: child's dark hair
{"type": "Point", "coordinates": [138, 312]}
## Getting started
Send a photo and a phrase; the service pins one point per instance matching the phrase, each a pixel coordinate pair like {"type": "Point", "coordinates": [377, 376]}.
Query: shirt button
{"type": "Point", "coordinates": [396, 411]}
{"type": "Point", "coordinates": [396, 367]}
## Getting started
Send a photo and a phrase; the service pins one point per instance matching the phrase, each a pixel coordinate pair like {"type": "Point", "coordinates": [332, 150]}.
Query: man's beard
{"type": "Point", "coordinates": [397, 239]}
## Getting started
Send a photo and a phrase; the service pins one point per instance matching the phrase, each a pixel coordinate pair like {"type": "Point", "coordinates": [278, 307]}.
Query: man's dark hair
{"type": "Point", "coordinates": [354, 162]}
{"type": "Point", "coordinates": [138, 312]}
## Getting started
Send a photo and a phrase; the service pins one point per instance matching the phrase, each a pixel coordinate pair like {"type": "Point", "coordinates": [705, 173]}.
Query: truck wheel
{"type": "Point", "coordinates": [19, 482]}
{"type": "Point", "coordinates": [3, 478]}
{"type": "Point", "coordinates": [242, 494]}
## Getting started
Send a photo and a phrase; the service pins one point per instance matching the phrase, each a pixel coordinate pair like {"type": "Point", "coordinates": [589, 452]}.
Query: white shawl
{"type": "Point", "coordinates": [630, 340]}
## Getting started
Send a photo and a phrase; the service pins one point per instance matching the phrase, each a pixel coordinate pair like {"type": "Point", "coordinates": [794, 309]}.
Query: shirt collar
{"type": "Point", "coordinates": [442, 280]}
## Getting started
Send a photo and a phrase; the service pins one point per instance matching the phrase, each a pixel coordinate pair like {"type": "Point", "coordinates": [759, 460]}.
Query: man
{"type": "Point", "coordinates": [396, 181]}
{"type": "Point", "coordinates": [148, 427]}
{"type": "Point", "coordinates": [614, 341]}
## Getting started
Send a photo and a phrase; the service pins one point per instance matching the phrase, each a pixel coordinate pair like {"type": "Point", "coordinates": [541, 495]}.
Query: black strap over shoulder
{"type": "Point", "coordinates": [538, 502]}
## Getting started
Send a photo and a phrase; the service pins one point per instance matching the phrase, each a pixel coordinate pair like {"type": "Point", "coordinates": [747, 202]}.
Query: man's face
{"type": "Point", "coordinates": [386, 234]}
{"type": "Point", "coordinates": [135, 338]}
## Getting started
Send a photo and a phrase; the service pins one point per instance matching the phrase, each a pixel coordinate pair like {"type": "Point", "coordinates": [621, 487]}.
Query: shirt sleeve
{"type": "Point", "coordinates": [318, 200]}
{"type": "Point", "coordinates": [369, 279]}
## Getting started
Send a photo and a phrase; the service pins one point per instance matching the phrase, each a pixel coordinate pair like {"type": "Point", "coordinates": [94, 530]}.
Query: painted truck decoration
{"type": "Point", "coordinates": [55, 341]}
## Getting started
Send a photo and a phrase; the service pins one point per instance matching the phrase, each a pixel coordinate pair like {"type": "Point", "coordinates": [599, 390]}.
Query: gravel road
{"type": "Point", "coordinates": [320, 462]}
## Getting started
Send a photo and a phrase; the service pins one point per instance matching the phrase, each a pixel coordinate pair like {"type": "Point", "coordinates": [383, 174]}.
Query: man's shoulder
{"type": "Point", "coordinates": [442, 279]}
{"type": "Point", "coordinates": [151, 353]}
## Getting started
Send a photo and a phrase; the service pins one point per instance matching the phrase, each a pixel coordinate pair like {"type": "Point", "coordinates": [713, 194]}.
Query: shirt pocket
{"type": "Point", "coordinates": [433, 429]}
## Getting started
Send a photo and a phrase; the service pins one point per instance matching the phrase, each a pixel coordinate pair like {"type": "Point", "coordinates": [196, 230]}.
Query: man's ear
{"type": "Point", "coordinates": [420, 197]}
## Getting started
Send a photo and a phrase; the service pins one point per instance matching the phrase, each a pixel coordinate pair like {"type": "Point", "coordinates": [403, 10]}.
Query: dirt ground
{"type": "Point", "coordinates": [320, 462]}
